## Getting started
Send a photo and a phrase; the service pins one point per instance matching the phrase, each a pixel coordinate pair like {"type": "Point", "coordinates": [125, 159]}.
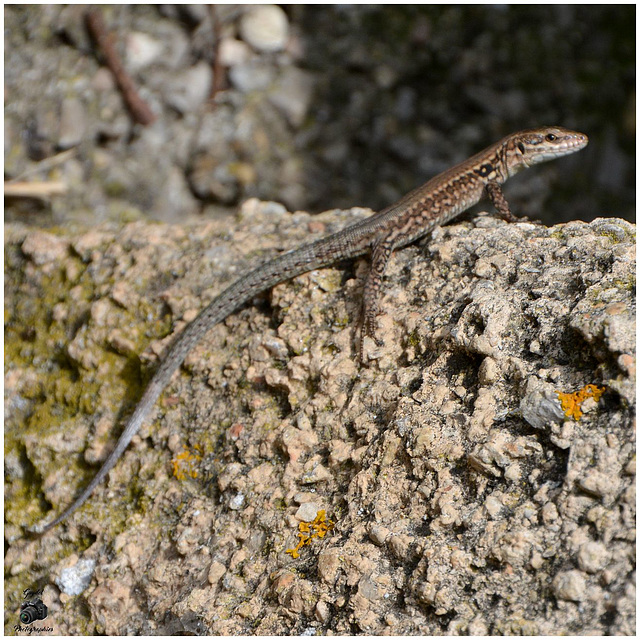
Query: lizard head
{"type": "Point", "coordinates": [533, 146]}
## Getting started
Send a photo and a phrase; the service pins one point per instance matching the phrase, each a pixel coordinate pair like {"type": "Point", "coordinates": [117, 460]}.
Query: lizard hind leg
{"type": "Point", "coordinates": [380, 255]}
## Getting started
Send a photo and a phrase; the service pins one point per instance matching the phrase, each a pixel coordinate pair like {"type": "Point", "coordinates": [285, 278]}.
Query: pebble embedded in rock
{"type": "Point", "coordinates": [570, 585]}
{"type": "Point", "coordinates": [74, 580]}
{"type": "Point", "coordinates": [315, 473]}
{"type": "Point", "coordinates": [328, 565]}
{"type": "Point", "coordinates": [593, 556]}
{"type": "Point", "coordinates": [379, 534]}
{"type": "Point", "coordinates": [44, 247]}
{"type": "Point", "coordinates": [540, 405]}
{"type": "Point", "coordinates": [307, 512]}
{"type": "Point", "coordinates": [236, 502]}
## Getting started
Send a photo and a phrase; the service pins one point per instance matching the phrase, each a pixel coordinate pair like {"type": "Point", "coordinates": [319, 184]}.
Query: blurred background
{"type": "Point", "coordinates": [317, 107]}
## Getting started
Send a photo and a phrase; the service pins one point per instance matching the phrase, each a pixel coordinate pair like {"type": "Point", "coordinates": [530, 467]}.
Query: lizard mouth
{"type": "Point", "coordinates": [574, 142]}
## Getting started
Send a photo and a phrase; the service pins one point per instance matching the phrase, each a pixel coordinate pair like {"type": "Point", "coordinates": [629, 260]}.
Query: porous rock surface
{"type": "Point", "coordinates": [464, 499]}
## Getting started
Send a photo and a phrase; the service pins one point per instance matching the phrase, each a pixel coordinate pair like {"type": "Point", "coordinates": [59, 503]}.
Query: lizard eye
{"type": "Point", "coordinates": [521, 147]}
{"type": "Point", "coordinates": [551, 137]}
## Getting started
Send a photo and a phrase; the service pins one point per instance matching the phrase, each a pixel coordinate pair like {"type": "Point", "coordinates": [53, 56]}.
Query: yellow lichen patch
{"type": "Point", "coordinates": [187, 463]}
{"type": "Point", "coordinates": [309, 530]}
{"type": "Point", "coordinates": [571, 402]}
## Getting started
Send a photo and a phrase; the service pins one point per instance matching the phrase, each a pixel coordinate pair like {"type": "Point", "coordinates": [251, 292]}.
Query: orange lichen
{"type": "Point", "coordinates": [571, 402]}
{"type": "Point", "coordinates": [309, 530]}
{"type": "Point", "coordinates": [187, 463]}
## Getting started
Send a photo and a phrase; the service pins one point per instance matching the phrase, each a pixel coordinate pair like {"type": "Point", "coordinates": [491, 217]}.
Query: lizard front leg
{"type": "Point", "coordinates": [380, 255]}
{"type": "Point", "coordinates": [495, 193]}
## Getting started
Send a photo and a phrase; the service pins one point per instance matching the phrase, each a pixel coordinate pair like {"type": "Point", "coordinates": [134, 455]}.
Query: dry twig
{"type": "Point", "coordinates": [138, 108]}
{"type": "Point", "coordinates": [45, 164]}
{"type": "Point", "coordinates": [219, 81]}
{"type": "Point", "coordinates": [40, 190]}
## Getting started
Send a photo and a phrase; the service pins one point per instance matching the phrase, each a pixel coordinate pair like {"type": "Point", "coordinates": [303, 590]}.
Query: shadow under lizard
{"type": "Point", "coordinates": [433, 204]}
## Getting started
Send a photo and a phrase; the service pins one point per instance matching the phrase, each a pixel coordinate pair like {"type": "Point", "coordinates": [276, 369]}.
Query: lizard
{"type": "Point", "coordinates": [435, 203]}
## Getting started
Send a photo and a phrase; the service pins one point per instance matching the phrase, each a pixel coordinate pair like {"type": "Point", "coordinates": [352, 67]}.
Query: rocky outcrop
{"type": "Point", "coordinates": [475, 483]}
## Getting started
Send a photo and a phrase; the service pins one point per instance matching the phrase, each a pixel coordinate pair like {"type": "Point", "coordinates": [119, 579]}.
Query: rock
{"type": "Point", "coordinates": [233, 52]}
{"type": "Point", "coordinates": [210, 179]}
{"type": "Point", "coordinates": [216, 571]}
{"type": "Point", "coordinates": [44, 247]}
{"type": "Point", "coordinates": [570, 585]}
{"type": "Point", "coordinates": [265, 28]}
{"type": "Point", "coordinates": [593, 557]}
{"type": "Point", "coordinates": [315, 473]}
{"type": "Point", "coordinates": [73, 123]}
{"type": "Point", "coordinates": [328, 565]}
{"type": "Point", "coordinates": [292, 94]}
{"type": "Point", "coordinates": [322, 612]}
{"type": "Point", "coordinates": [142, 50]}
{"type": "Point", "coordinates": [441, 490]}
{"type": "Point", "coordinates": [251, 76]}
{"type": "Point", "coordinates": [540, 405]}
{"type": "Point", "coordinates": [190, 89]}
{"type": "Point", "coordinates": [378, 534]}
{"type": "Point", "coordinates": [307, 512]}
{"type": "Point", "coordinates": [74, 580]}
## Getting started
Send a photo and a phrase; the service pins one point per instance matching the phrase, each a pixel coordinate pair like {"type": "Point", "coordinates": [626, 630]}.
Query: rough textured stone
{"type": "Point", "coordinates": [455, 510]}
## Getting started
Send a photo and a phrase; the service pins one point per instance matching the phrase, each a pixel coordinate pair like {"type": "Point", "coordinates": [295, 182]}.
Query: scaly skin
{"type": "Point", "coordinates": [434, 203]}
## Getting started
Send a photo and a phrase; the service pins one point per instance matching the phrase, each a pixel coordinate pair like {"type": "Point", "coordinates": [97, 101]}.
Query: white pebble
{"type": "Point", "coordinates": [265, 28]}
{"type": "Point", "coordinates": [307, 512]}
{"type": "Point", "coordinates": [74, 580]}
{"type": "Point", "coordinates": [142, 50]}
